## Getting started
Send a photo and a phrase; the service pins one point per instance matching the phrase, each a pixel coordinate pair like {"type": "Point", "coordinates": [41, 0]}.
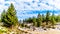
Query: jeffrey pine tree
{"type": "Point", "coordinates": [43, 17]}
{"type": "Point", "coordinates": [53, 19]}
{"type": "Point", "coordinates": [39, 20]}
{"type": "Point", "coordinates": [34, 21]}
{"type": "Point", "coordinates": [47, 17]}
{"type": "Point", "coordinates": [9, 17]}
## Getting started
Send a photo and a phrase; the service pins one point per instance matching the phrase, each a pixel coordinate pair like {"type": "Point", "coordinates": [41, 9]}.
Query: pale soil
{"type": "Point", "coordinates": [50, 31]}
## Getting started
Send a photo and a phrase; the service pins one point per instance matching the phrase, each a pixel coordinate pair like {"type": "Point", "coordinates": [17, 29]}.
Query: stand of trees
{"type": "Point", "coordinates": [48, 19]}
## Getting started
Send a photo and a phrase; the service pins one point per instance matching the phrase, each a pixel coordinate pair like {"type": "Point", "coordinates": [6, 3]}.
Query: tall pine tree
{"type": "Point", "coordinates": [43, 17]}
{"type": "Point", "coordinates": [53, 19]}
{"type": "Point", "coordinates": [47, 17]}
{"type": "Point", "coordinates": [10, 16]}
{"type": "Point", "coordinates": [34, 21]}
{"type": "Point", "coordinates": [39, 20]}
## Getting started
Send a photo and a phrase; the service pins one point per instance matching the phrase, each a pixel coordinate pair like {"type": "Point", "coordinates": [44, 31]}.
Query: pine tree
{"type": "Point", "coordinates": [39, 20]}
{"type": "Point", "coordinates": [58, 18]}
{"type": "Point", "coordinates": [34, 21]}
{"type": "Point", "coordinates": [47, 17]}
{"type": "Point", "coordinates": [43, 17]}
{"type": "Point", "coordinates": [29, 20]}
{"type": "Point", "coordinates": [10, 17]}
{"type": "Point", "coordinates": [53, 19]}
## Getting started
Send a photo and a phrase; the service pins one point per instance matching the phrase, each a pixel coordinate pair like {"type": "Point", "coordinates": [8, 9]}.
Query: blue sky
{"type": "Point", "coordinates": [30, 8]}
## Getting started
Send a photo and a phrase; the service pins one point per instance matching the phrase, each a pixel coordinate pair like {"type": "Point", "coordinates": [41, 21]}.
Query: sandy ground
{"type": "Point", "coordinates": [51, 31]}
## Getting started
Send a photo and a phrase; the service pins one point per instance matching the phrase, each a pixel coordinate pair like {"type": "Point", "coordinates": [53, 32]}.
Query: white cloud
{"type": "Point", "coordinates": [19, 5]}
